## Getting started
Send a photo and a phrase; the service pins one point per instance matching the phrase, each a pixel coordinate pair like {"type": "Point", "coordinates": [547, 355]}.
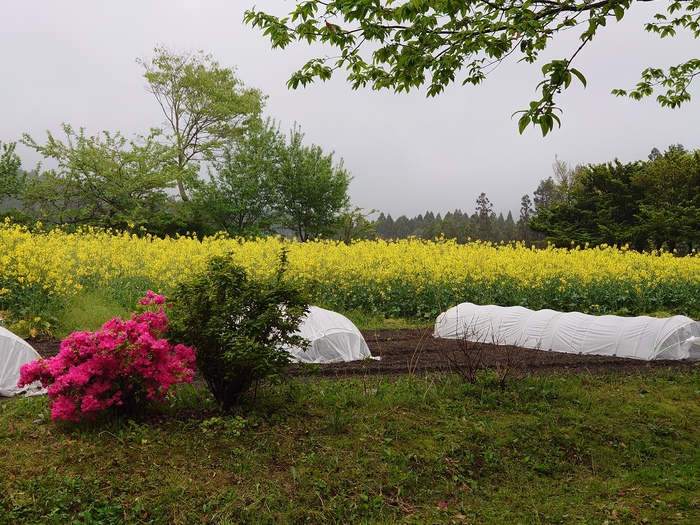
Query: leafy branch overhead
{"type": "Point", "coordinates": [404, 44]}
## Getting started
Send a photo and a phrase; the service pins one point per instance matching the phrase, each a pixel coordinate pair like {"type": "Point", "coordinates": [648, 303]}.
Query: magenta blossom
{"type": "Point", "coordinates": [152, 297]}
{"type": "Point", "coordinates": [117, 367]}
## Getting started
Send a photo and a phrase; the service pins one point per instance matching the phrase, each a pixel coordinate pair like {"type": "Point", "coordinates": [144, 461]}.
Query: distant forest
{"type": "Point", "coordinates": [644, 205]}
{"type": "Point", "coordinates": [483, 224]}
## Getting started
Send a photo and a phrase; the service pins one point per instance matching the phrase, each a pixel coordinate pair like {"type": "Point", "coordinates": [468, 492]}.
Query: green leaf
{"type": "Point", "coordinates": [523, 123]}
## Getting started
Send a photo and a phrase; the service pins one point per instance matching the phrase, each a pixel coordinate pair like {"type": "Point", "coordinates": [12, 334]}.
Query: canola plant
{"type": "Point", "coordinates": [408, 278]}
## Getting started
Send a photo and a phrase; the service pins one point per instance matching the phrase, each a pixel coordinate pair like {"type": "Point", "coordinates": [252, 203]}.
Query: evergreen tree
{"type": "Point", "coordinates": [484, 217]}
{"type": "Point", "coordinates": [526, 212]}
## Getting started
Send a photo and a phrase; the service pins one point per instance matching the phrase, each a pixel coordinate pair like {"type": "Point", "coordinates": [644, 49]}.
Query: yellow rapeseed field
{"type": "Point", "coordinates": [403, 278]}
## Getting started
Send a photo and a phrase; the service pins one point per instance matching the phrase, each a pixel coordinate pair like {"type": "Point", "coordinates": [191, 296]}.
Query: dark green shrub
{"type": "Point", "coordinates": [18, 217]}
{"type": "Point", "coordinates": [237, 325]}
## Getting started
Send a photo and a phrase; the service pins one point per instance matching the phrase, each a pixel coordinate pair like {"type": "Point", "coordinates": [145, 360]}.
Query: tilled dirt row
{"type": "Point", "coordinates": [416, 351]}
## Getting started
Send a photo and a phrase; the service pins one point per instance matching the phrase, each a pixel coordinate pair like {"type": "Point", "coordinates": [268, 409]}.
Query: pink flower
{"type": "Point", "coordinates": [152, 297]}
{"type": "Point", "coordinates": [34, 371]}
{"type": "Point", "coordinates": [92, 371]}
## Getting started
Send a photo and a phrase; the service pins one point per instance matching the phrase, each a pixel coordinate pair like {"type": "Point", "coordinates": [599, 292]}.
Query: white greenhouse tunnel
{"type": "Point", "coordinates": [646, 338]}
{"type": "Point", "coordinates": [14, 352]}
{"type": "Point", "coordinates": [332, 337]}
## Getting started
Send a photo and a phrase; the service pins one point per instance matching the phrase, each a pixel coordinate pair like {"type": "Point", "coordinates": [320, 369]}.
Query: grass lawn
{"type": "Point", "coordinates": [434, 449]}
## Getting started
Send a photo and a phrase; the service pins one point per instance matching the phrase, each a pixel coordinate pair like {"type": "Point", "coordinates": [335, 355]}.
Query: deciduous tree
{"type": "Point", "coordinates": [104, 180]}
{"type": "Point", "coordinates": [242, 196]}
{"type": "Point", "coordinates": [355, 224]}
{"type": "Point", "coordinates": [205, 106]}
{"type": "Point", "coordinates": [313, 190]}
{"type": "Point", "coordinates": [403, 44]}
{"type": "Point", "coordinates": [11, 176]}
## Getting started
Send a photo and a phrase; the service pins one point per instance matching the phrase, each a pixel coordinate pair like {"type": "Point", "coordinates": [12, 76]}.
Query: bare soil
{"type": "Point", "coordinates": [416, 351]}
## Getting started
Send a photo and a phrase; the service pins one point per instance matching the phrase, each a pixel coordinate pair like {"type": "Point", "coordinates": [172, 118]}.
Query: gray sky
{"type": "Point", "coordinates": [74, 61]}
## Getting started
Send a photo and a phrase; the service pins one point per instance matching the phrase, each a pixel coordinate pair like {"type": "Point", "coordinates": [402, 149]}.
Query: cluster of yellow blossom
{"type": "Point", "coordinates": [34, 274]}
{"type": "Point", "coordinates": [402, 278]}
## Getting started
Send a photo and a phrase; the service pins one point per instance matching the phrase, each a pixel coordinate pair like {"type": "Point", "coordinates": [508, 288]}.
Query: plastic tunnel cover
{"type": "Point", "coordinates": [14, 352]}
{"type": "Point", "coordinates": [332, 338]}
{"type": "Point", "coordinates": [643, 337]}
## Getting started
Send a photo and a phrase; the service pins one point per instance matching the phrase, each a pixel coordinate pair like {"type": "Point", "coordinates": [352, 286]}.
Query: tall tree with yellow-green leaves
{"type": "Point", "coordinates": [205, 107]}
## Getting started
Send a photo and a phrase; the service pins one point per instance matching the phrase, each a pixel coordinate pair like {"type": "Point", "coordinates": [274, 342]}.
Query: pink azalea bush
{"type": "Point", "coordinates": [118, 367]}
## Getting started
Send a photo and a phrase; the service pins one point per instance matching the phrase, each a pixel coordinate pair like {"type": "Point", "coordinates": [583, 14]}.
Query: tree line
{"type": "Point", "coordinates": [644, 205]}
{"type": "Point", "coordinates": [215, 165]}
{"type": "Point", "coordinates": [483, 224]}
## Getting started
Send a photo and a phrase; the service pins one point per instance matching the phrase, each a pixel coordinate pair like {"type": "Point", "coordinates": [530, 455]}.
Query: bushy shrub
{"type": "Point", "coordinates": [119, 367]}
{"type": "Point", "coordinates": [238, 326]}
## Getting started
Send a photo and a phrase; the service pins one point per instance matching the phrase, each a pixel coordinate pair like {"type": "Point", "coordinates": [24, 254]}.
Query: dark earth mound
{"type": "Point", "coordinates": [416, 351]}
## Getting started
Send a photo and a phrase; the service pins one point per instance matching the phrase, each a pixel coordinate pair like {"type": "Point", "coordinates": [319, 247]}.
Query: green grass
{"type": "Point", "coordinates": [88, 311]}
{"type": "Point", "coordinates": [366, 321]}
{"type": "Point", "coordinates": [551, 449]}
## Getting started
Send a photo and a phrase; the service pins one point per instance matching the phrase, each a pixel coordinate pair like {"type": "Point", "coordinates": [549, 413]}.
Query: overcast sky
{"type": "Point", "coordinates": [74, 61]}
